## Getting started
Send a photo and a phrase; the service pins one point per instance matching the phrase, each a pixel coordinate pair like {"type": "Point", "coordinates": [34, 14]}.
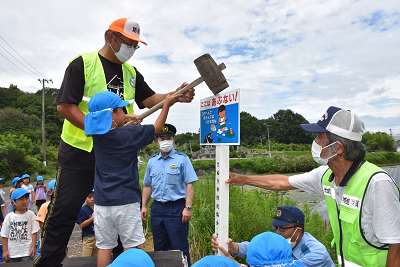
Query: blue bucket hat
{"type": "Point", "coordinates": [16, 180]}
{"type": "Point", "coordinates": [133, 257]}
{"type": "Point", "coordinates": [18, 193]}
{"type": "Point", "coordinates": [270, 249]}
{"type": "Point", "coordinates": [25, 176]}
{"type": "Point", "coordinates": [99, 118]}
{"type": "Point", "coordinates": [214, 260]}
{"type": "Point", "coordinates": [52, 184]}
{"type": "Point", "coordinates": [288, 214]}
{"type": "Point", "coordinates": [39, 178]}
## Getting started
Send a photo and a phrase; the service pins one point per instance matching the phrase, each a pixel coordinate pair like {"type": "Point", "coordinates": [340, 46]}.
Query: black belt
{"type": "Point", "coordinates": [164, 202]}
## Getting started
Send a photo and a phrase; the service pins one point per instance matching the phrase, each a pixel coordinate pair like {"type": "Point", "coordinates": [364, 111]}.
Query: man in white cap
{"type": "Point", "coordinates": [362, 199]}
{"type": "Point", "coordinates": [89, 73]}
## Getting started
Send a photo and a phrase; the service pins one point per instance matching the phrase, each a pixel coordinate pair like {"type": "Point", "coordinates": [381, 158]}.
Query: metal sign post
{"type": "Point", "coordinates": [222, 195]}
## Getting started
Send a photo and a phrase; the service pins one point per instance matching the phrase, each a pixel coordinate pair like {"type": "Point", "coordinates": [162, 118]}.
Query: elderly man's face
{"type": "Point", "coordinates": [323, 141]}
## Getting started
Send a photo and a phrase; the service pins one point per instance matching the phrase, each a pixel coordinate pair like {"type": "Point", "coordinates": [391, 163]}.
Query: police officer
{"type": "Point", "coordinates": [169, 181]}
{"type": "Point", "coordinates": [289, 223]}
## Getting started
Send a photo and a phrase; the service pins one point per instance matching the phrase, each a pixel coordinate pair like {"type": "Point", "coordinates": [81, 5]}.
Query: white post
{"type": "Point", "coordinates": [222, 195]}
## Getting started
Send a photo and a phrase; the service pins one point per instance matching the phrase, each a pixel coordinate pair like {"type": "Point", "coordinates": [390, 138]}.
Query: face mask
{"type": "Point", "coordinates": [124, 53]}
{"type": "Point", "coordinates": [166, 145]}
{"type": "Point", "coordinates": [316, 153]}
{"type": "Point", "coordinates": [292, 244]}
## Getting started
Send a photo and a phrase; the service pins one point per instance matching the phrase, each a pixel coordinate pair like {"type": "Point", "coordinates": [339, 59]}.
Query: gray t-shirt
{"type": "Point", "coordinates": [380, 218]}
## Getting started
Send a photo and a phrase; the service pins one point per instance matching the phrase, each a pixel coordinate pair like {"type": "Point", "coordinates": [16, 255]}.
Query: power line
{"type": "Point", "coordinates": [10, 73]}
{"type": "Point", "coordinates": [17, 66]}
{"type": "Point", "coordinates": [22, 58]}
{"type": "Point", "coordinates": [18, 60]}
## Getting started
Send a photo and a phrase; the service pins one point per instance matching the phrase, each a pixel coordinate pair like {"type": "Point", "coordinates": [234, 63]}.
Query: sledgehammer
{"type": "Point", "coordinates": [210, 72]}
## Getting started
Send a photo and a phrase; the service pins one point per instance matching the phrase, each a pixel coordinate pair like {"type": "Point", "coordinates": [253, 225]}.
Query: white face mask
{"type": "Point", "coordinates": [166, 145]}
{"type": "Point", "coordinates": [316, 153]}
{"type": "Point", "coordinates": [124, 53]}
{"type": "Point", "coordinates": [289, 240]}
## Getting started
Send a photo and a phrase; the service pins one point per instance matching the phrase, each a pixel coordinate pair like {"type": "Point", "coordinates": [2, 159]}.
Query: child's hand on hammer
{"type": "Point", "coordinates": [170, 99]}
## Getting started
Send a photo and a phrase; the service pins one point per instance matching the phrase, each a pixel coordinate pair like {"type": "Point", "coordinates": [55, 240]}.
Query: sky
{"type": "Point", "coordinates": [303, 55]}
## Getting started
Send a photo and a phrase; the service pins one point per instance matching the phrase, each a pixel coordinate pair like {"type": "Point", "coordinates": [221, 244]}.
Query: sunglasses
{"type": "Point", "coordinates": [282, 229]}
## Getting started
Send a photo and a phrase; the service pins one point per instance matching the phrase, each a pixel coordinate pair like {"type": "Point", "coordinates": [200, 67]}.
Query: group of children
{"type": "Point", "coordinates": [20, 226]}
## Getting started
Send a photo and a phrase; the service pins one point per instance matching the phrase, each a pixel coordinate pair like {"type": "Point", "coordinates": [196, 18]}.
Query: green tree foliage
{"type": "Point", "coordinates": [27, 107]}
{"type": "Point", "coordinates": [9, 95]}
{"type": "Point", "coordinates": [378, 141]}
{"type": "Point", "coordinates": [286, 128]}
{"type": "Point", "coordinates": [184, 138]}
{"type": "Point", "coordinates": [13, 121]}
{"type": "Point", "coordinates": [17, 156]}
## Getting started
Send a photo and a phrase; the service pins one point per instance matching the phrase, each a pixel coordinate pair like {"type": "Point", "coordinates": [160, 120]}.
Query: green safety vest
{"type": "Point", "coordinates": [351, 247]}
{"type": "Point", "coordinates": [95, 82]}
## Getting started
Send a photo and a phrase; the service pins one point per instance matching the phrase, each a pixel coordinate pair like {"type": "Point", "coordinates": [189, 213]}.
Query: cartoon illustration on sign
{"type": "Point", "coordinates": [220, 119]}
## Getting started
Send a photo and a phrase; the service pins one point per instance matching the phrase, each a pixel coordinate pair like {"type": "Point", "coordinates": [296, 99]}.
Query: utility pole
{"type": "Point", "coordinates": [269, 144]}
{"type": "Point", "coordinates": [43, 81]}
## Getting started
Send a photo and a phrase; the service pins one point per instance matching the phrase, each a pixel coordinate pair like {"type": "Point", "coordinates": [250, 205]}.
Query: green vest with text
{"type": "Point", "coordinates": [95, 82]}
{"type": "Point", "coordinates": [346, 223]}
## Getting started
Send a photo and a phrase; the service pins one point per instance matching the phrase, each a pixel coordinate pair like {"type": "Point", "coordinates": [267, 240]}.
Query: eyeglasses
{"type": "Point", "coordinates": [282, 229]}
{"type": "Point", "coordinates": [125, 43]}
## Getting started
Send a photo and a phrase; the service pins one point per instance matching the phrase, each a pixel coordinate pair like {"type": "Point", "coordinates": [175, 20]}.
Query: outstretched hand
{"type": "Point", "coordinates": [236, 179]}
{"type": "Point", "coordinates": [171, 99]}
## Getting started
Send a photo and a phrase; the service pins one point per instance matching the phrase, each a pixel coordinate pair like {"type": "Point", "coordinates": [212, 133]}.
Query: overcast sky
{"type": "Point", "coordinates": [303, 55]}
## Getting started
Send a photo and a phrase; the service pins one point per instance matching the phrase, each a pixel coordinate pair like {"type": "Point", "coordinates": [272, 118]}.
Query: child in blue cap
{"type": "Point", "coordinates": [39, 194]}
{"type": "Point", "coordinates": [26, 179]}
{"type": "Point", "coordinates": [133, 258]}
{"type": "Point", "coordinates": [19, 231]}
{"type": "Point", "coordinates": [118, 193]}
{"type": "Point", "coordinates": [42, 211]}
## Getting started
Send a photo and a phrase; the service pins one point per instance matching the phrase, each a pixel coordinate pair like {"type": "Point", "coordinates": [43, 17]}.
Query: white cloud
{"type": "Point", "coordinates": [304, 55]}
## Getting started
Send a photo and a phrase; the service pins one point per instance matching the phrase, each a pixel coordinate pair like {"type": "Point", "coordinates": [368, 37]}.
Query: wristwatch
{"type": "Point", "coordinates": [188, 207]}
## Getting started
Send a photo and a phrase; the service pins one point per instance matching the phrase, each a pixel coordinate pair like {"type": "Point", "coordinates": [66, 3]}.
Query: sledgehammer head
{"type": "Point", "coordinates": [211, 73]}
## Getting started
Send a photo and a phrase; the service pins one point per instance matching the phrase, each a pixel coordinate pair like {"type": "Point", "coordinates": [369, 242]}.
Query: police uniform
{"type": "Point", "coordinates": [309, 251]}
{"type": "Point", "coordinates": [168, 177]}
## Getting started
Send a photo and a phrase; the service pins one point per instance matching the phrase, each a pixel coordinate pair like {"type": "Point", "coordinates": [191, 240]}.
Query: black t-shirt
{"type": "Point", "coordinates": [71, 92]}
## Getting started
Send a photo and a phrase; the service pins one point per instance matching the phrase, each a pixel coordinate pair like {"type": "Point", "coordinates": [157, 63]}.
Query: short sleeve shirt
{"type": "Point", "coordinates": [85, 214]}
{"type": "Point", "coordinates": [169, 176]}
{"type": "Point", "coordinates": [71, 92]}
{"type": "Point", "coordinates": [18, 229]}
{"type": "Point", "coordinates": [42, 212]}
{"type": "Point", "coordinates": [381, 196]}
{"type": "Point", "coordinates": [309, 251]}
{"type": "Point", "coordinates": [116, 173]}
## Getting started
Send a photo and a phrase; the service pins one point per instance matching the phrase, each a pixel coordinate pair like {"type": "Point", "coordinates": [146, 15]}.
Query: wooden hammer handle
{"type": "Point", "coordinates": [182, 91]}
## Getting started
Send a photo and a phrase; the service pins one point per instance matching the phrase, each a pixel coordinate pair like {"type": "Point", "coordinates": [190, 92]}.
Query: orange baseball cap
{"type": "Point", "coordinates": [128, 28]}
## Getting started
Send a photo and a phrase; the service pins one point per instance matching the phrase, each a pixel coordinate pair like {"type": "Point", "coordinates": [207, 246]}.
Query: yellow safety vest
{"type": "Point", "coordinates": [351, 247]}
{"type": "Point", "coordinates": [95, 82]}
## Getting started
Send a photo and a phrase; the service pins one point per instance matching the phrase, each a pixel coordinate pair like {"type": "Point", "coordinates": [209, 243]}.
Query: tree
{"type": "Point", "coordinates": [286, 128]}
{"type": "Point", "coordinates": [250, 129]}
{"type": "Point", "coordinates": [17, 156]}
{"type": "Point", "coordinates": [378, 141]}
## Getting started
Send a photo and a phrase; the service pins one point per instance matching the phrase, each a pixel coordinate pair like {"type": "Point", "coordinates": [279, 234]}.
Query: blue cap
{"type": "Point", "coordinates": [52, 184]}
{"type": "Point", "coordinates": [99, 119]}
{"type": "Point", "coordinates": [15, 180]}
{"type": "Point", "coordinates": [18, 193]}
{"type": "Point", "coordinates": [1, 179]}
{"type": "Point", "coordinates": [288, 214]}
{"type": "Point", "coordinates": [214, 260]}
{"type": "Point", "coordinates": [270, 249]}
{"type": "Point", "coordinates": [25, 176]}
{"type": "Point", "coordinates": [133, 257]}
{"type": "Point", "coordinates": [39, 178]}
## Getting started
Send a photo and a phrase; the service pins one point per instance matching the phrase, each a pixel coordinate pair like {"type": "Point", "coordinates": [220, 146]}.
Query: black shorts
{"type": "Point", "coordinates": [40, 202]}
